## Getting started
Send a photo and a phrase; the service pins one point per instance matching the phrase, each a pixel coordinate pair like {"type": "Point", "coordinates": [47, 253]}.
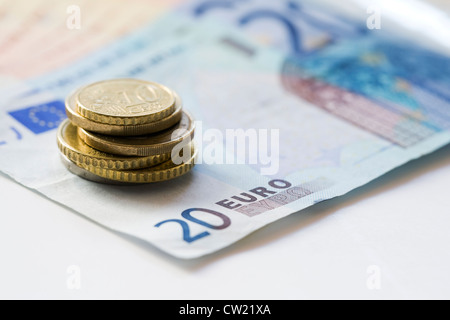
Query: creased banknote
{"type": "Point", "coordinates": [333, 134]}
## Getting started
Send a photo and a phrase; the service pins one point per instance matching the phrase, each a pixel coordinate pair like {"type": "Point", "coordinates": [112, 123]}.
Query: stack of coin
{"type": "Point", "coordinates": [125, 131]}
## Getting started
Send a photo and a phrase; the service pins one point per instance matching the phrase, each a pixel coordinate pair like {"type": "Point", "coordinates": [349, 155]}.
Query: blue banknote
{"type": "Point", "coordinates": [228, 81]}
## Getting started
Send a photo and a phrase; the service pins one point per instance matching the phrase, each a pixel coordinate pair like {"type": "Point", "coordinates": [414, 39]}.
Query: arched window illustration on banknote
{"type": "Point", "coordinates": [361, 84]}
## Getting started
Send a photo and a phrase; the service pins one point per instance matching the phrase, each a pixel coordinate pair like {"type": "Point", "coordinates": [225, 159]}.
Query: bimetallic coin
{"type": "Point", "coordinates": [76, 150]}
{"type": "Point", "coordinates": [162, 172]}
{"type": "Point", "coordinates": [116, 130]}
{"type": "Point", "coordinates": [125, 102]}
{"type": "Point", "coordinates": [147, 145]}
{"type": "Point", "coordinates": [83, 173]}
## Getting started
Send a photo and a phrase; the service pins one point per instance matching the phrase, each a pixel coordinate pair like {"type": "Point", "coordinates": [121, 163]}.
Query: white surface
{"type": "Point", "coordinates": [399, 223]}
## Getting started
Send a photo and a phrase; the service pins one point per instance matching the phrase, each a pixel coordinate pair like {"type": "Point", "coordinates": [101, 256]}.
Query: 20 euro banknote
{"type": "Point", "coordinates": [320, 140]}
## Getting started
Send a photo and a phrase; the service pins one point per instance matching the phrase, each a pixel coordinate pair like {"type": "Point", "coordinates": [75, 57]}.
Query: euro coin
{"type": "Point", "coordinates": [119, 130]}
{"type": "Point", "coordinates": [125, 102]}
{"type": "Point", "coordinates": [162, 172]}
{"type": "Point", "coordinates": [83, 173]}
{"type": "Point", "coordinates": [76, 150]}
{"type": "Point", "coordinates": [147, 145]}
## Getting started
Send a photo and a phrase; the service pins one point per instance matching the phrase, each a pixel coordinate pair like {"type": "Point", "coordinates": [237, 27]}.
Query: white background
{"type": "Point", "coordinates": [398, 225]}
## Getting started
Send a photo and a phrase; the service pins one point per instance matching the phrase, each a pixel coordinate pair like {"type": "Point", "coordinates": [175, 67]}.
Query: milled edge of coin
{"type": "Point", "coordinates": [119, 163]}
{"type": "Point", "coordinates": [125, 121]}
{"type": "Point", "coordinates": [126, 149]}
{"type": "Point", "coordinates": [85, 174]}
{"type": "Point", "coordinates": [150, 175]}
{"type": "Point", "coordinates": [122, 131]}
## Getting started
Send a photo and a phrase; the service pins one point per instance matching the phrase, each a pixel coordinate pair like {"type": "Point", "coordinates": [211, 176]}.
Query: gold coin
{"type": "Point", "coordinates": [147, 145]}
{"type": "Point", "coordinates": [76, 150]}
{"type": "Point", "coordinates": [83, 173]}
{"type": "Point", "coordinates": [115, 130]}
{"type": "Point", "coordinates": [162, 172]}
{"type": "Point", "coordinates": [125, 102]}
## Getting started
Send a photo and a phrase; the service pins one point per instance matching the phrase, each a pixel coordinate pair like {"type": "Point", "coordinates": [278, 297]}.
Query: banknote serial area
{"type": "Point", "coordinates": [218, 116]}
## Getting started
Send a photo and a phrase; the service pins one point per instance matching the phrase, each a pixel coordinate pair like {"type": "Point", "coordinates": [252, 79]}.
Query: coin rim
{"type": "Point", "coordinates": [143, 176]}
{"type": "Point", "coordinates": [81, 172]}
{"type": "Point", "coordinates": [119, 130]}
{"type": "Point", "coordinates": [120, 163]}
{"type": "Point", "coordinates": [125, 120]}
{"type": "Point", "coordinates": [92, 139]}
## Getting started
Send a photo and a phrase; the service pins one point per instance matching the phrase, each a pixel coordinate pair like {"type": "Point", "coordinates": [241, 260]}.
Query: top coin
{"type": "Point", "coordinates": [125, 102]}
